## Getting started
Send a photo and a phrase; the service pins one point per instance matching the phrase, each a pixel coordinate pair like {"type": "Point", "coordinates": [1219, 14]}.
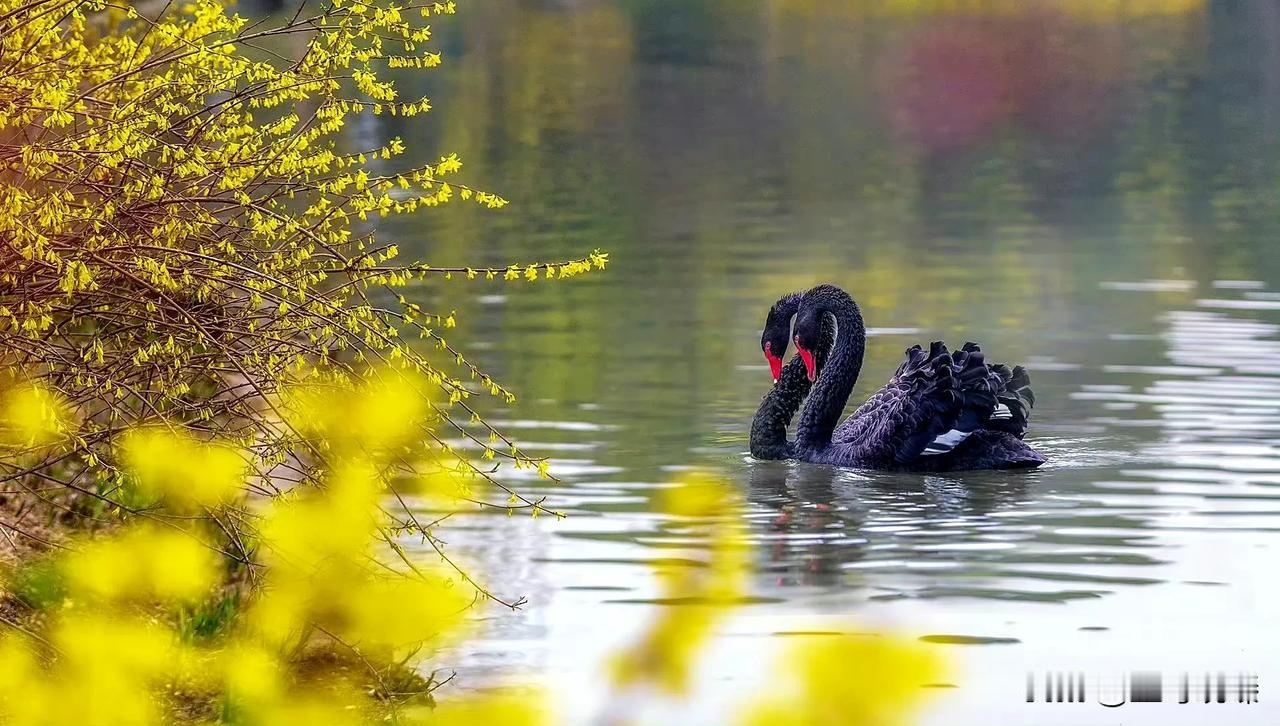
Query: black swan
{"type": "Point", "coordinates": [790, 384]}
{"type": "Point", "coordinates": [941, 411]}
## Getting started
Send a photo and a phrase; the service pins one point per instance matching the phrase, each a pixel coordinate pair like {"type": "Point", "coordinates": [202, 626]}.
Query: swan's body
{"type": "Point", "coordinates": [941, 411]}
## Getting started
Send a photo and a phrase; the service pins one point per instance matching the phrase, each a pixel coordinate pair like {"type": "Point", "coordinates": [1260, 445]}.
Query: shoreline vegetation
{"type": "Point", "coordinates": [221, 415]}
{"type": "Point", "coordinates": [191, 279]}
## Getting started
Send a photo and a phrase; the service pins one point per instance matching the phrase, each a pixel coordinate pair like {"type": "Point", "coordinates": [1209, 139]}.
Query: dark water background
{"type": "Point", "coordinates": [1089, 188]}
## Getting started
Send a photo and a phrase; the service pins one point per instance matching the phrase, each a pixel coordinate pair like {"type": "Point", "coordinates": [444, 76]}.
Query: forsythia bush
{"type": "Point", "coordinates": [116, 645]}
{"type": "Point", "coordinates": [182, 236]}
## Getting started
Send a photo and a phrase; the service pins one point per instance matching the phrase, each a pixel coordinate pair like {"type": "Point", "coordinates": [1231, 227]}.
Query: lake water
{"type": "Point", "coordinates": [1090, 191]}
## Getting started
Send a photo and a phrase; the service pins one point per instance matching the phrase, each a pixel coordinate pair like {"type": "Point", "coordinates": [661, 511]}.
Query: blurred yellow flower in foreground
{"type": "Point", "coordinates": [32, 415]}
{"type": "Point", "coordinates": [381, 414]}
{"type": "Point", "coordinates": [187, 473]}
{"type": "Point", "coordinates": [142, 562]}
{"type": "Point", "coordinates": [313, 709]}
{"type": "Point", "coordinates": [698, 495]}
{"type": "Point", "coordinates": [319, 546]}
{"type": "Point", "coordinates": [699, 596]}
{"type": "Point", "coordinates": [503, 708]}
{"type": "Point", "coordinates": [252, 674]}
{"type": "Point", "coordinates": [106, 653]}
{"type": "Point", "coordinates": [307, 529]}
{"type": "Point", "coordinates": [403, 611]}
{"type": "Point", "coordinates": [864, 679]}
{"type": "Point", "coordinates": [107, 672]}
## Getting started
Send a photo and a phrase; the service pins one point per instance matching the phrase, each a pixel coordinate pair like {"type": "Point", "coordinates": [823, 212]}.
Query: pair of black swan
{"type": "Point", "coordinates": [941, 411]}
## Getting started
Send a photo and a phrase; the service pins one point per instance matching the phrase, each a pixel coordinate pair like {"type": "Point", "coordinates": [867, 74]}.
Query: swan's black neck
{"type": "Point", "coordinates": [769, 427]}
{"type": "Point", "coordinates": [835, 382]}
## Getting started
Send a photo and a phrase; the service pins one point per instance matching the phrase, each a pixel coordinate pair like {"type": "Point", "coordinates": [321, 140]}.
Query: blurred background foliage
{"type": "Point", "coordinates": [949, 162]}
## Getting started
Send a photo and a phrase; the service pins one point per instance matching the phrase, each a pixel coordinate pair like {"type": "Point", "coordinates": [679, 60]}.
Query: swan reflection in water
{"type": "Point", "coordinates": [819, 524]}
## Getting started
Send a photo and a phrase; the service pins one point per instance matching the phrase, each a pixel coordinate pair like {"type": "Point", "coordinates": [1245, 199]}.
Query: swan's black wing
{"type": "Point", "coordinates": [1015, 400]}
{"type": "Point", "coordinates": [934, 401]}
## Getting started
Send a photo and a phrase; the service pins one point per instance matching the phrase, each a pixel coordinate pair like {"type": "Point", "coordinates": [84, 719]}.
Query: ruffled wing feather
{"type": "Point", "coordinates": [933, 403]}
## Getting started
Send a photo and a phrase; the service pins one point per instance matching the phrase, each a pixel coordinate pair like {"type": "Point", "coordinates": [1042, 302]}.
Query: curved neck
{"type": "Point", "coordinates": [769, 427]}
{"type": "Point", "coordinates": [835, 382]}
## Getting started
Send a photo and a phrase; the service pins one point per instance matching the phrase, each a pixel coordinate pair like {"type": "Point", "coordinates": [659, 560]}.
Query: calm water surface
{"type": "Point", "coordinates": [1091, 193]}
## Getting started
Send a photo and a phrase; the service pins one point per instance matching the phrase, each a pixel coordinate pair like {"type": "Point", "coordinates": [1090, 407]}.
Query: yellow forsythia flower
{"type": "Point", "coordinates": [868, 680]}
{"type": "Point", "coordinates": [144, 562]}
{"type": "Point", "coordinates": [318, 548]}
{"type": "Point", "coordinates": [252, 674]}
{"type": "Point", "coordinates": [703, 595]}
{"type": "Point", "coordinates": [105, 672]}
{"type": "Point", "coordinates": [402, 612]}
{"type": "Point", "coordinates": [32, 415]}
{"type": "Point", "coordinates": [699, 495]}
{"type": "Point", "coordinates": [508, 708]}
{"type": "Point", "coordinates": [381, 414]}
{"type": "Point", "coordinates": [314, 529]}
{"type": "Point", "coordinates": [185, 472]}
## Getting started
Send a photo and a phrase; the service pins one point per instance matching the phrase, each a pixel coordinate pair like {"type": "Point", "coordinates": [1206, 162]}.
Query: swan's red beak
{"type": "Point", "coordinates": [809, 366]}
{"type": "Point", "coordinates": [775, 363]}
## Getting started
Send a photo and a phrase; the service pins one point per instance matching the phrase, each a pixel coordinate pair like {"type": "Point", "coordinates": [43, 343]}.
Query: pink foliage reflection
{"type": "Point", "coordinates": [953, 81]}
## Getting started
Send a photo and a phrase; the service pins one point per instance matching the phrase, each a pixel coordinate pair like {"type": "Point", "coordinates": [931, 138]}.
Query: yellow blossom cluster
{"type": "Point", "coordinates": [705, 595]}
{"type": "Point", "coordinates": [187, 474]}
{"type": "Point", "coordinates": [852, 678]}
{"type": "Point", "coordinates": [183, 227]}
{"type": "Point", "coordinates": [111, 647]}
{"type": "Point", "coordinates": [147, 562]}
{"type": "Point", "coordinates": [32, 416]}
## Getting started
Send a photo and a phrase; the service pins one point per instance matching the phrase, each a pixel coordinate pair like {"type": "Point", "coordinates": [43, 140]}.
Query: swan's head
{"type": "Point", "coordinates": [777, 332]}
{"type": "Point", "coordinates": [808, 338]}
